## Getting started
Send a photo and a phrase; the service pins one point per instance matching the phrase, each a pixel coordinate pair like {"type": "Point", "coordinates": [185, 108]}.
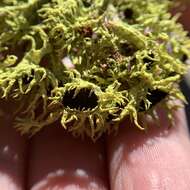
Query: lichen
{"type": "Point", "coordinates": [89, 63]}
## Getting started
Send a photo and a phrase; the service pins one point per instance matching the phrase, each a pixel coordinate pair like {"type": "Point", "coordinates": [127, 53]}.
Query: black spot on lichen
{"type": "Point", "coordinates": [87, 3]}
{"type": "Point", "coordinates": [84, 100]}
{"type": "Point", "coordinates": [149, 62]}
{"type": "Point", "coordinates": [172, 74]}
{"type": "Point", "coordinates": [26, 79]}
{"type": "Point", "coordinates": [184, 58]}
{"type": "Point", "coordinates": [128, 13]}
{"type": "Point", "coordinates": [127, 49]}
{"type": "Point", "coordinates": [60, 83]}
{"type": "Point", "coordinates": [154, 96]}
{"type": "Point", "coordinates": [110, 117]}
{"type": "Point", "coordinates": [49, 89]}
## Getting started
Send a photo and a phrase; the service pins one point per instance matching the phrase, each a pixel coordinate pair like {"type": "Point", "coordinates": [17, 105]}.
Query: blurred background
{"type": "Point", "coordinates": [184, 8]}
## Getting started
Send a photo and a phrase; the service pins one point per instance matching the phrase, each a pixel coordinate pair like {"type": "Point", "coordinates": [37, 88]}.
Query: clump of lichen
{"type": "Point", "coordinates": [89, 63]}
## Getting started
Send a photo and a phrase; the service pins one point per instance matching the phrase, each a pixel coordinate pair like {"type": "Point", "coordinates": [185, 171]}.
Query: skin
{"type": "Point", "coordinates": [157, 159]}
{"type": "Point", "coordinates": [131, 160]}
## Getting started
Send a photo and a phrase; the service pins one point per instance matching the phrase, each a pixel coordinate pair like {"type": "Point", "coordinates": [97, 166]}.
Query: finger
{"type": "Point", "coordinates": [12, 154]}
{"type": "Point", "coordinates": [57, 160]}
{"type": "Point", "coordinates": [184, 10]}
{"type": "Point", "coordinates": [157, 159]}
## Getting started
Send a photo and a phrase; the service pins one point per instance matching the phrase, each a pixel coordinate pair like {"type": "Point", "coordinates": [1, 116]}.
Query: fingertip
{"type": "Point", "coordinates": [69, 181]}
{"type": "Point", "coordinates": [157, 159]}
{"type": "Point", "coordinates": [13, 153]}
{"type": "Point", "coordinates": [59, 160]}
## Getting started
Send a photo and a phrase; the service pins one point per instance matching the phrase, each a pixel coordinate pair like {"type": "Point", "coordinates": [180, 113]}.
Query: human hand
{"type": "Point", "coordinates": [133, 159]}
{"type": "Point", "coordinates": [158, 159]}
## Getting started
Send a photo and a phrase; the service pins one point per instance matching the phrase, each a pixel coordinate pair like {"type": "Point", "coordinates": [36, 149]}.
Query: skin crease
{"type": "Point", "coordinates": [53, 160]}
{"type": "Point", "coordinates": [157, 159]}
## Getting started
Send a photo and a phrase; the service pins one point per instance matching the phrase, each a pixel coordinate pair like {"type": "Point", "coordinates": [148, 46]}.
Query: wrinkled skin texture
{"type": "Point", "coordinates": [54, 159]}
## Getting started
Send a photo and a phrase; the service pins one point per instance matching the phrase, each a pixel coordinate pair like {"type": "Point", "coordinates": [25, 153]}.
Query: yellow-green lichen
{"type": "Point", "coordinates": [89, 63]}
